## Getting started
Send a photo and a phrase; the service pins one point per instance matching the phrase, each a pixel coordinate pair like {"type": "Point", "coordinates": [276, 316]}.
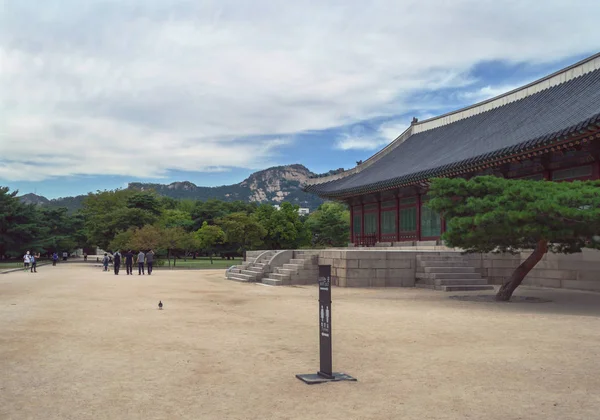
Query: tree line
{"type": "Point", "coordinates": [129, 219]}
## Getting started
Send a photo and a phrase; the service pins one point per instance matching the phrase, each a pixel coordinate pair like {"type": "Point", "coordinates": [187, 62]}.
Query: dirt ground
{"type": "Point", "coordinates": [77, 343]}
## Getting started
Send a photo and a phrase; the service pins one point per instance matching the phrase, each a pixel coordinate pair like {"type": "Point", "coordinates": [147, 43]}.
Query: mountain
{"type": "Point", "coordinates": [34, 199]}
{"type": "Point", "coordinates": [273, 185]}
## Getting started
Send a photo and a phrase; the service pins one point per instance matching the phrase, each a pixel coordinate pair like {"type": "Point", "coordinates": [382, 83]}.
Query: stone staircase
{"type": "Point", "coordinates": [252, 270]}
{"type": "Point", "coordinates": [301, 269]}
{"type": "Point", "coordinates": [448, 272]}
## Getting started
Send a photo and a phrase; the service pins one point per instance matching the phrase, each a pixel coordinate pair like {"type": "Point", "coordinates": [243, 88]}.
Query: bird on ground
{"type": "Point", "coordinates": [160, 305]}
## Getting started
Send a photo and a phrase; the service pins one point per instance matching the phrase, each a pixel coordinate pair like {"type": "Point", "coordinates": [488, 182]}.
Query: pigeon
{"type": "Point", "coordinates": [160, 304]}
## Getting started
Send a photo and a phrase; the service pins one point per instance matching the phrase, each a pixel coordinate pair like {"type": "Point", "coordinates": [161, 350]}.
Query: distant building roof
{"type": "Point", "coordinates": [539, 113]}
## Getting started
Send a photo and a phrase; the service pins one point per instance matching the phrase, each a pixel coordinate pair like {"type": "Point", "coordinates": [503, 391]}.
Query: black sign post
{"type": "Point", "coordinates": [325, 373]}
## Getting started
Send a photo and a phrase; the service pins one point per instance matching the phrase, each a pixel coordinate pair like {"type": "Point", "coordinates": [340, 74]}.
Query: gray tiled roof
{"type": "Point", "coordinates": [520, 125]}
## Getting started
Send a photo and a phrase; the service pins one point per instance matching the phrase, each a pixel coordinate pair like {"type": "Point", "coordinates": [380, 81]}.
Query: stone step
{"type": "Point", "coordinates": [293, 266]}
{"type": "Point", "coordinates": [249, 274]}
{"type": "Point", "coordinates": [288, 272]}
{"type": "Point", "coordinates": [425, 286]}
{"type": "Point", "coordinates": [272, 282]}
{"type": "Point", "coordinates": [463, 276]}
{"type": "Point", "coordinates": [256, 270]}
{"type": "Point", "coordinates": [238, 277]}
{"type": "Point", "coordinates": [464, 287]}
{"type": "Point", "coordinates": [259, 265]}
{"type": "Point", "coordinates": [278, 276]}
{"type": "Point", "coordinates": [297, 261]}
{"type": "Point", "coordinates": [463, 269]}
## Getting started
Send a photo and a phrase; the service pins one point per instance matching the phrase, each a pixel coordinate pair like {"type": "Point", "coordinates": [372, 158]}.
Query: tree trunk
{"type": "Point", "coordinates": [169, 256]}
{"type": "Point", "coordinates": [210, 255]}
{"type": "Point", "coordinates": [516, 278]}
{"type": "Point", "coordinates": [174, 260]}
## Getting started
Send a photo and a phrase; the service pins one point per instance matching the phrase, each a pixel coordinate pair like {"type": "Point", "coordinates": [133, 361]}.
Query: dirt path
{"type": "Point", "coordinates": [77, 343]}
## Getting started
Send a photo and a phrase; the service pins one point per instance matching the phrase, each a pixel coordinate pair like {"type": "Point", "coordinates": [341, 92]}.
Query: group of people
{"type": "Point", "coordinates": [141, 259]}
{"type": "Point", "coordinates": [30, 260]}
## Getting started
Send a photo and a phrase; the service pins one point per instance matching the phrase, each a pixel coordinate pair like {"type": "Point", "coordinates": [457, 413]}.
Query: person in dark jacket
{"type": "Point", "coordinates": [117, 262]}
{"type": "Point", "coordinates": [129, 262]}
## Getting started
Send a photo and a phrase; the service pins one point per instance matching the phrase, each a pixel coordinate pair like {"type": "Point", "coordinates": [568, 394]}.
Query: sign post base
{"type": "Point", "coordinates": [319, 378]}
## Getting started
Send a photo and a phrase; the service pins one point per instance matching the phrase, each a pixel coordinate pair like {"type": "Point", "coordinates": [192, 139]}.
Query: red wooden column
{"type": "Point", "coordinates": [351, 222]}
{"type": "Point", "coordinates": [596, 170]}
{"type": "Point", "coordinates": [418, 217]}
{"type": "Point", "coordinates": [397, 218]}
{"type": "Point", "coordinates": [362, 221]}
{"type": "Point", "coordinates": [547, 175]}
{"type": "Point", "coordinates": [379, 219]}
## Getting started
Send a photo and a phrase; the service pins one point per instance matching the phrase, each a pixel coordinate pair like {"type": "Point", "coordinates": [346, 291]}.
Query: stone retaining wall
{"type": "Point", "coordinates": [394, 267]}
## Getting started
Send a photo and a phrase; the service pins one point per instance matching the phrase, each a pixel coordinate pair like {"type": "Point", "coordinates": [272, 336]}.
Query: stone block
{"type": "Point", "coordinates": [406, 263]}
{"type": "Point", "coordinates": [377, 282]}
{"type": "Point", "coordinates": [338, 262]}
{"type": "Point", "coordinates": [381, 273]}
{"type": "Point", "coordinates": [366, 255]}
{"type": "Point", "coordinates": [553, 274]}
{"type": "Point", "coordinates": [351, 263]}
{"type": "Point", "coordinates": [372, 263]}
{"type": "Point", "coordinates": [536, 281]}
{"type": "Point", "coordinates": [361, 282]}
{"type": "Point", "coordinates": [360, 273]}
{"type": "Point", "coordinates": [340, 272]}
{"type": "Point", "coordinates": [582, 285]}
{"type": "Point", "coordinates": [325, 261]}
{"type": "Point", "coordinates": [505, 263]}
{"type": "Point", "coordinates": [589, 275]}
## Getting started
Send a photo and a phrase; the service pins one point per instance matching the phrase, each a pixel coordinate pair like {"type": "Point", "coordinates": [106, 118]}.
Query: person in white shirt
{"type": "Point", "coordinates": [26, 260]}
{"type": "Point", "coordinates": [140, 260]}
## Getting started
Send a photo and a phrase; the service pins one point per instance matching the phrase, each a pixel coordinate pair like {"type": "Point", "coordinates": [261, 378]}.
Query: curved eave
{"type": "Point", "coordinates": [464, 166]}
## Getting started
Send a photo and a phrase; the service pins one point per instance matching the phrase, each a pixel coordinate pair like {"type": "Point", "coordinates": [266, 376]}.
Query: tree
{"type": "Point", "coordinates": [491, 214]}
{"type": "Point", "coordinates": [284, 226]}
{"type": "Point", "coordinates": [207, 211]}
{"type": "Point", "coordinates": [172, 240]}
{"type": "Point", "coordinates": [329, 225]}
{"type": "Point", "coordinates": [175, 218]}
{"type": "Point", "coordinates": [21, 227]}
{"type": "Point", "coordinates": [146, 238]}
{"type": "Point", "coordinates": [109, 212]}
{"type": "Point", "coordinates": [208, 237]}
{"type": "Point", "coordinates": [243, 230]}
{"type": "Point", "coordinates": [145, 201]}
{"type": "Point", "coordinates": [123, 240]}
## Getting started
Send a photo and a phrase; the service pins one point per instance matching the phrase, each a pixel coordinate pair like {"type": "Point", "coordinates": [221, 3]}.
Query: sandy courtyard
{"type": "Point", "coordinates": [77, 343]}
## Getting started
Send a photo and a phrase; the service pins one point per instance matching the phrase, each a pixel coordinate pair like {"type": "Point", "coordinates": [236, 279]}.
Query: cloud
{"type": "Point", "coordinates": [142, 87]}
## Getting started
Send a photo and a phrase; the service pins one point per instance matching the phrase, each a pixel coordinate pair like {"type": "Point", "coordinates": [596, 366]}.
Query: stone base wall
{"type": "Point", "coordinates": [396, 267]}
{"type": "Point", "coordinates": [579, 271]}
{"type": "Point", "coordinates": [370, 268]}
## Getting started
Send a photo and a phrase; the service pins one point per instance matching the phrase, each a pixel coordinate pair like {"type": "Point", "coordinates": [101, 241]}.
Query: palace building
{"type": "Point", "coordinates": [547, 130]}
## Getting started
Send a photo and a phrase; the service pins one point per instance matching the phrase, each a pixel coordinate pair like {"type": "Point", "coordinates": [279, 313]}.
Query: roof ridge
{"type": "Point", "coordinates": [582, 67]}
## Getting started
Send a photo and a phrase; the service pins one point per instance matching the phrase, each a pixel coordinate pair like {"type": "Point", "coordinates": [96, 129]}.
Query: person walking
{"type": "Point", "coordinates": [140, 260]}
{"type": "Point", "coordinates": [129, 262]}
{"type": "Point", "coordinates": [149, 261]}
{"type": "Point", "coordinates": [65, 256]}
{"type": "Point", "coordinates": [105, 261]}
{"type": "Point", "coordinates": [33, 260]}
{"type": "Point", "coordinates": [54, 259]}
{"type": "Point", "coordinates": [117, 262]}
{"type": "Point", "coordinates": [26, 261]}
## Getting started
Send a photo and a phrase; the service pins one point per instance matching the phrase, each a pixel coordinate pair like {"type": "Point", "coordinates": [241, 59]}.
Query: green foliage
{"type": "Point", "coordinates": [149, 202]}
{"type": "Point", "coordinates": [284, 227]}
{"type": "Point", "coordinates": [243, 230]}
{"type": "Point", "coordinates": [208, 237]}
{"type": "Point", "coordinates": [109, 212]}
{"type": "Point", "coordinates": [27, 227]}
{"type": "Point", "coordinates": [176, 218]}
{"type": "Point", "coordinates": [490, 214]}
{"type": "Point", "coordinates": [329, 225]}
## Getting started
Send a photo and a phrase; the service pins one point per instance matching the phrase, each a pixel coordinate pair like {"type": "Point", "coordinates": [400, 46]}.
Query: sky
{"type": "Point", "coordinates": [98, 93]}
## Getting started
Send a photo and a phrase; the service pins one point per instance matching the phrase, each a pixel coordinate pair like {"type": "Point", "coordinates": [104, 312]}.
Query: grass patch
{"type": "Point", "coordinates": [201, 263]}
